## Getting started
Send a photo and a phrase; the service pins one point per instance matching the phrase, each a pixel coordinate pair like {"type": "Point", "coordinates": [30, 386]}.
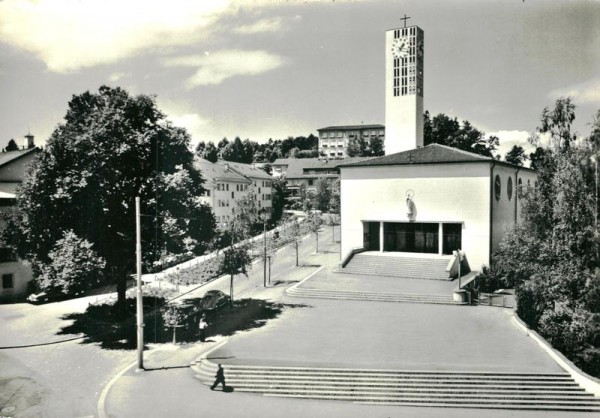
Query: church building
{"type": "Point", "coordinates": [425, 202]}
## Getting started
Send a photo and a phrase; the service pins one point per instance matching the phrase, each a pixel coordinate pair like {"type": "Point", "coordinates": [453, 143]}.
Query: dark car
{"type": "Point", "coordinates": [48, 296]}
{"type": "Point", "coordinates": [213, 300]}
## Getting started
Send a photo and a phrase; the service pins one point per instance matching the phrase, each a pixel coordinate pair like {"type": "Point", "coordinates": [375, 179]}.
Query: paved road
{"type": "Point", "coordinates": [336, 333]}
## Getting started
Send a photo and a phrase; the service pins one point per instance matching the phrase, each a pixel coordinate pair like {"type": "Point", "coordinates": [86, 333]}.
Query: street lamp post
{"type": "Point", "coordinates": [140, 305]}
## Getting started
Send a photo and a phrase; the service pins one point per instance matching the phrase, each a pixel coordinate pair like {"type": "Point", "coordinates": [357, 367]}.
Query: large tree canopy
{"type": "Point", "coordinates": [111, 148]}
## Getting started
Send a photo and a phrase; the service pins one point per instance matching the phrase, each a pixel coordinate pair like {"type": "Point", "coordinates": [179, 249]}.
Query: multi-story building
{"type": "Point", "coordinates": [306, 171]}
{"type": "Point", "coordinates": [227, 182]}
{"type": "Point", "coordinates": [334, 140]}
{"type": "Point", "coordinates": [16, 274]}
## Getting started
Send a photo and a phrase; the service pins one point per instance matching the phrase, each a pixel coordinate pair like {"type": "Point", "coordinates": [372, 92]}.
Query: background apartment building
{"type": "Point", "coordinates": [227, 182]}
{"type": "Point", "coordinates": [334, 140]}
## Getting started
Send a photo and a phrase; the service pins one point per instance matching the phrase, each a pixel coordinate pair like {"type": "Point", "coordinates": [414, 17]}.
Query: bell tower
{"type": "Point", "coordinates": [404, 88]}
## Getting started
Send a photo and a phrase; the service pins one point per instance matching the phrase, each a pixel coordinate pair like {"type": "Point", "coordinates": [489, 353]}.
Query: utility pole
{"type": "Point", "coordinates": [265, 252]}
{"type": "Point", "coordinates": [140, 306]}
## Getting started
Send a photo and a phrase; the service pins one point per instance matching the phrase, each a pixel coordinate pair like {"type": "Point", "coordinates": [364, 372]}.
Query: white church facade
{"type": "Point", "coordinates": [425, 201]}
{"type": "Point", "coordinates": [429, 202]}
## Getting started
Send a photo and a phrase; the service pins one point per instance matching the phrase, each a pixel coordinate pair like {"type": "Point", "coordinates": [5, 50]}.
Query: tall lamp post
{"type": "Point", "coordinates": [264, 217]}
{"type": "Point", "coordinates": [140, 305]}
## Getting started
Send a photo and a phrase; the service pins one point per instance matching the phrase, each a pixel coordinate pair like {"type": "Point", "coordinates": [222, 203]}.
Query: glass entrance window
{"type": "Point", "coordinates": [371, 236]}
{"type": "Point", "coordinates": [451, 238]}
{"type": "Point", "coordinates": [411, 237]}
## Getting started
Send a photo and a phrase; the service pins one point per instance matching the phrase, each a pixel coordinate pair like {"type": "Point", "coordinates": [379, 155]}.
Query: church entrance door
{"type": "Point", "coordinates": [371, 236]}
{"type": "Point", "coordinates": [411, 237]}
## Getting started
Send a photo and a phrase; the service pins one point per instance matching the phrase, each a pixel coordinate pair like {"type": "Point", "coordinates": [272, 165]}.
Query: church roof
{"type": "Point", "coordinates": [10, 156]}
{"type": "Point", "coordinates": [430, 154]}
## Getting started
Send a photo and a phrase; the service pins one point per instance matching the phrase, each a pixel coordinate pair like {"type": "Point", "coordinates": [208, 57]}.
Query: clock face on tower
{"type": "Point", "coordinates": [400, 48]}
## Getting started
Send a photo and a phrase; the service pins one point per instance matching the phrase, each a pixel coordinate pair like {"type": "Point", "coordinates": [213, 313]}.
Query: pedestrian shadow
{"type": "Point", "coordinates": [310, 265]}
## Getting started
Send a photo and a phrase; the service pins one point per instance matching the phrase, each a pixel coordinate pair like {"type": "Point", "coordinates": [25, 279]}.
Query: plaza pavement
{"type": "Point", "coordinates": [332, 333]}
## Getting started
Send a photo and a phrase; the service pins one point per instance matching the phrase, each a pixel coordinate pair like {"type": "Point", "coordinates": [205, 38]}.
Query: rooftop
{"type": "Point", "coordinates": [9, 156]}
{"type": "Point", "coordinates": [297, 166]}
{"type": "Point", "coordinates": [246, 170]}
{"type": "Point", "coordinates": [212, 172]}
{"type": "Point", "coordinates": [430, 154]}
{"type": "Point", "coordinates": [351, 127]}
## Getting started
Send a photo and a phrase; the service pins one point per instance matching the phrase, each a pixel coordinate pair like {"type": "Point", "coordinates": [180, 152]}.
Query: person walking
{"type": "Point", "coordinates": [202, 325]}
{"type": "Point", "coordinates": [220, 378]}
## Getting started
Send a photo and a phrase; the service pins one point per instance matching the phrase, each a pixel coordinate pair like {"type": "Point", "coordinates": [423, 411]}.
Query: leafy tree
{"type": "Point", "coordinates": [447, 131]}
{"type": "Point", "coordinates": [281, 194]}
{"type": "Point", "coordinates": [376, 146]}
{"type": "Point", "coordinates": [294, 231]}
{"type": "Point", "coordinates": [314, 222]}
{"type": "Point", "coordinates": [334, 200]}
{"type": "Point", "coordinates": [552, 256]}
{"type": "Point", "coordinates": [516, 155]}
{"type": "Point", "coordinates": [12, 146]}
{"type": "Point", "coordinates": [235, 260]}
{"type": "Point", "coordinates": [237, 151]}
{"type": "Point", "coordinates": [557, 122]}
{"type": "Point", "coordinates": [111, 148]}
{"type": "Point", "coordinates": [323, 194]}
{"type": "Point", "coordinates": [174, 317]}
{"type": "Point", "coordinates": [73, 266]}
{"type": "Point", "coordinates": [210, 153]}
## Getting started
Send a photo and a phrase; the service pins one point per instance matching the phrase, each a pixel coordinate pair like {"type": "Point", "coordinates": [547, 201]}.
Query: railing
{"type": "Point", "coordinates": [351, 254]}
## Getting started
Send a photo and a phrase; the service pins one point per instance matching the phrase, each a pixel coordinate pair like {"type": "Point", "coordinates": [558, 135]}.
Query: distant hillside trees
{"type": "Point", "coordinates": [12, 146]}
{"type": "Point", "coordinates": [248, 151]}
{"type": "Point", "coordinates": [516, 155]}
{"type": "Point", "coordinates": [442, 129]}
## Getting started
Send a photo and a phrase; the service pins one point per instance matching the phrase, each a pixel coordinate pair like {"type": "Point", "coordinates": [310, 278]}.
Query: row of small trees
{"type": "Point", "coordinates": [552, 257]}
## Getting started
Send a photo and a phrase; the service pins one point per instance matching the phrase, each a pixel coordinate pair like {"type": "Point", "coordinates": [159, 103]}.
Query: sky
{"type": "Point", "coordinates": [263, 69]}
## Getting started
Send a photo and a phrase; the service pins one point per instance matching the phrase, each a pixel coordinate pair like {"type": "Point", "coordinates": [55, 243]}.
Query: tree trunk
{"type": "Point", "coordinates": [296, 253]}
{"type": "Point", "coordinates": [174, 335]}
{"type": "Point", "coordinates": [231, 291]}
{"type": "Point", "coordinates": [317, 234]}
{"type": "Point", "coordinates": [121, 306]}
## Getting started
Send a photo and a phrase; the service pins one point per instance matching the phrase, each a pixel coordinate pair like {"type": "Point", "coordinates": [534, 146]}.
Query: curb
{"type": "Point", "coordinates": [589, 383]}
{"type": "Point", "coordinates": [303, 280]}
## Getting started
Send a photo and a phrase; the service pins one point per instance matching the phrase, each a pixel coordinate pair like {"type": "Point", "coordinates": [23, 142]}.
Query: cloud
{"type": "Point", "coordinates": [510, 138]}
{"type": "Point", "coordinates": [68, 35]}
{"type": "Point", "coordinates": [264, 25]}
{"type": "Point", "coordinates": [214, 68]}
{"type": "Point", "coordinates": [582, 93]}
{"type": "Point", "coordinates": [118, 76]}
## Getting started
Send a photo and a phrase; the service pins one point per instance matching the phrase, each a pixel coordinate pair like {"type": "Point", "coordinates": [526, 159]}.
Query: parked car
{"type": "Point", "coordinates": [45, 297]}
{"type": "Point", "coordinates": [213, 300]}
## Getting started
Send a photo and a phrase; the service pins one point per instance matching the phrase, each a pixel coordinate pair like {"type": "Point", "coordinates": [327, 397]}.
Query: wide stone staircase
{"type": "Point", "coordinates": [479, 389]}
{"type": "Point", "coordinates": [394, 266]}
{"type": "Point", "coordinates": [307, 292]}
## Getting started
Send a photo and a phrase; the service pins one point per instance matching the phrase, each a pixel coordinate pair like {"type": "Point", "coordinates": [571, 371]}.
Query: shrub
{"type": "Point", "coordinates": [74, 266]}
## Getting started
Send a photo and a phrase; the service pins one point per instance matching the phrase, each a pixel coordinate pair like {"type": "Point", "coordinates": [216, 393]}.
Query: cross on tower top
{"type": "Point", "coordinates": [405, 18]}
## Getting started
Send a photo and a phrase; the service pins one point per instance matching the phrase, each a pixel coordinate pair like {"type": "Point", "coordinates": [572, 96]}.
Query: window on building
{"type": "Point", "coordinates": [310, 182]}
{"type": "Point", "coordinates": [497, 187]}
{"type": "Point", "coordinates": [509, 188]}
{"type": "Point", "coordinates": [520, 187]}
{"type": "Point", "coordinates": [340, 154]}
{"type": "Point", "coordinates": [7, 281]}
{"type": "Point", "coordinates": [227, 186]}
{"type": "Point", "coordinates": [339, 134]}
{"type": "Point", "coordinates": [232, 195]}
